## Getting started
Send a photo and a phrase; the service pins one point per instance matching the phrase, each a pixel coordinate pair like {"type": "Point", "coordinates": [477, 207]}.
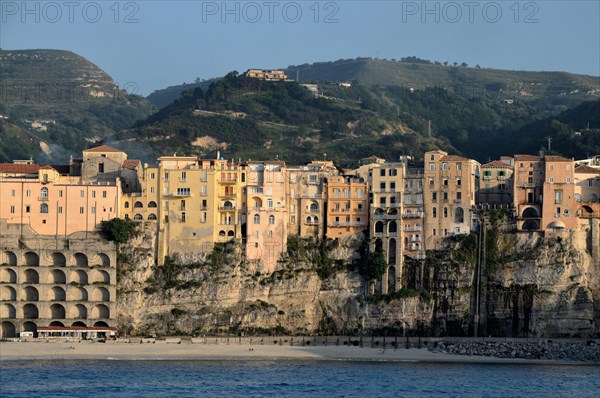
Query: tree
{"type": "Point", "coordinates": [117, 230]}
{"type": "Point", "coordinates": [376, 265]}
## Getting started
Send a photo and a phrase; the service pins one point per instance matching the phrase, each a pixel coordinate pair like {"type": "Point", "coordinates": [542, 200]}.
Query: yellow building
{"type": "Point", "coordinates": [267, 212]}
{"type": "Point", "coordinates": [347, 206]}
{"type": "Point", "coordinates": [450, 187]}
{"type": "Point", "coordinates": [496, 185]}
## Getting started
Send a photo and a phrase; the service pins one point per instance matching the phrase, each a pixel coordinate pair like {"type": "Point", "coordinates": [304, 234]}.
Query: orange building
{"type": "Point", "coordinates": [347, 206]}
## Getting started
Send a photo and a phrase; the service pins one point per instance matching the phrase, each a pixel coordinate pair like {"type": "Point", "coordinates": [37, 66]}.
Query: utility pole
{"type": "Point", "coordinates": [549, 144]}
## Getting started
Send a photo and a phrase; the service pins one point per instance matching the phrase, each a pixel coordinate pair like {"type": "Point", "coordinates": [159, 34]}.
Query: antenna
{"type": "Point", "coordinates": [549, 144]}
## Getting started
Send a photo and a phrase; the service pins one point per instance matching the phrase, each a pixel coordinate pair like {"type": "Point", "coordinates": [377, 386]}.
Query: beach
{"type": "Point", "coordinates": [234, 350]}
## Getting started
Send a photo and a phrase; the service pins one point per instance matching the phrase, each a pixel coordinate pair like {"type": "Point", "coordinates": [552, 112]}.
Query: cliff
{"type": "Point", "coordinates": [529, 286]}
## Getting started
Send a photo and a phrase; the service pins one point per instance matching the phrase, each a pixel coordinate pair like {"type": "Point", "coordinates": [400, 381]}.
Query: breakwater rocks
{"type": "Point", "coordinates": [584, 351]}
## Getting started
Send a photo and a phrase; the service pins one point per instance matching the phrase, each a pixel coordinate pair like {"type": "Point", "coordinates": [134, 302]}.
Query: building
{"type": "Point", "coordinates": [450, 188]}
{"type": "Point", "coordinates": [496, 184]}
{"type": "Point", "coordinates": [413, 211]}
{"type": "Point", "coordinates": [347, 206]}
{"type": "Point", "coordinates": [267, 212]}
{"type": "Point", "coordinates": [385, 184]}
{"type": "Point", "coordinates": [267, 74]}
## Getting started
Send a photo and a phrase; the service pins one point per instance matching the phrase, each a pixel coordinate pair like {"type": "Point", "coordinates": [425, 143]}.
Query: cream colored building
{"type": "Point", "coordinates": [496, 184]}
{"type": "Point", "coordinates": [450, 187]}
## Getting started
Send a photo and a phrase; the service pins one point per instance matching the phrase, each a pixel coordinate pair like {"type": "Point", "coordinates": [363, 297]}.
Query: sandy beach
{"type": "Point", "coordinates": [234, 351]}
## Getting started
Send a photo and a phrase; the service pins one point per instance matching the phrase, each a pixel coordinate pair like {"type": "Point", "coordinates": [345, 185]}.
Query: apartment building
{"type": "Point", "coordinates": [267, 74]}
{"type": "Point", "coordinates": [496, 184]}
{"type": "Point", "coordinates": [385, 184]}
{"type": "Point", "coordinates": [307, 197]}
{"type": "Point", "coordinates": [450, 188]}
{"type": "Point", "coordinates": [267, 212]}
{"type": "Point", "coordinates": [413, 212]}
{"type": "Point", "coordinates": [347, 211]}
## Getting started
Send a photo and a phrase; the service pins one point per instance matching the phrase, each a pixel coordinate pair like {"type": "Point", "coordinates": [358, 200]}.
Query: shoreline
{"type": "Point", "coordinates": [87, 350]}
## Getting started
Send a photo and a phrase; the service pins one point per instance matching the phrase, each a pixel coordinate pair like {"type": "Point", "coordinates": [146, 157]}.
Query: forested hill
{"type": "Point", "coordinates": [55, 103]}
{"type": "Point", "coordinates": [252, 119]}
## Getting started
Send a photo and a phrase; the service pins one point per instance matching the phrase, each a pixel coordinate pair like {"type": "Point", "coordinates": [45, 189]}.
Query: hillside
{"type": "Point", "coordinates": [566, 89]}
{"type": "Point", "coordinates": [248, 118]}
{"type": "Point", "coordinates": [56, 103]}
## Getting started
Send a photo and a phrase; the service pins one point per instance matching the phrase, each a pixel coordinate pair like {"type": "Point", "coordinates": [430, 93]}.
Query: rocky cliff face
{"type": "Point", "coordinates": [534, 287]}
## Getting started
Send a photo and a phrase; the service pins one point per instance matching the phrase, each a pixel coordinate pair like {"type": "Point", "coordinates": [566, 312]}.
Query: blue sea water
{"type": "Point", "coordinates": [173, 378]}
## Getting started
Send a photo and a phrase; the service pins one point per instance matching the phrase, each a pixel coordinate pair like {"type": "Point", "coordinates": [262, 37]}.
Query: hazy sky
{"type": "Point", "coordinates": [158, 43]}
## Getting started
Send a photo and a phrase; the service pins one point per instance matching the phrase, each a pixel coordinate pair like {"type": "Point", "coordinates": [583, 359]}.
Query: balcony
{"type": "Point", "coordinates": [43, 198]}
{"type": "Point", "coordinates": [227, 194]}
{"type": "Point", "coordinates": [412, 215]}
{"type": "Point", "coordinates": [226, 208]}
{"type": "Point", "coordinates": [228, 180]}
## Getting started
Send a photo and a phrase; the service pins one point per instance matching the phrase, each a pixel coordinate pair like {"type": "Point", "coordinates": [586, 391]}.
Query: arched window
{"type": "Point", "coordinates": [256, 219]}
{"type": "Point", "coordinates": [459, 215]}
{"type": "Point", "coordinates": [359, 192]}
{"type": "Point", "coordinates": [150, 204]}
{"type": "Point", "coordinates": [314, 207]}
{"type": "Point", "coordinates": [127, 205]}
{"type": "Point", "coordinates": [44, 193]}
{"type": "Point", "coordinates": [152, 217]}
{"type": "Point", "coordinates": [138, 205]}
{"type": "Point", "coordinates": [44, 208]}
{"type": "Point", "coordinates": [271, 220]}
{"type": "Point", "coordinates": [392, 227]}
{"type": "Point", "coordinates": [269, 203]}
{"type": "Point", "coordinates": [221, 233]}
{"type": "Point", "coordinates": [138, 217]}
{"type": "Point", "coordinates": [378, 227]}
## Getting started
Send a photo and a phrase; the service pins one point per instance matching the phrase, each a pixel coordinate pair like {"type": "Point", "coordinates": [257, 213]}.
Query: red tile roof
{"type": "Point", "coordinates": [496, 163]}
{"type": "Point", "coordinates": [586, 169]}
{"type": "Point", "coordinates": [15, 168]}
{"type": "Point", "coordinates": [131, 164]}
{"type": "Point", "coordinates": [103, 148]}
{"type": "Point", "coordinates": [526, 157]}
{"type": "Point", "coordinates": [553, 158]}
{"type": "Point", "coordinates": [454, 158]}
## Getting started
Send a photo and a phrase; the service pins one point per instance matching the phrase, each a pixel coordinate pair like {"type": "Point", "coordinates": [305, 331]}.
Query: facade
{"type": "Point", "coordinates": [267, 74]}
{"type": "Point", "coordinates": [347, 206]}
{"type": "Point", "coordinates": [413, 211]}
{"type": "Point", "coordinates": [450, 188]}
{"type": "Point", "coordinates": [267, 212]}
{"type": "Point", "coordinates": [386, 183]}
{"type": "Point", "coordinates": [57, 282]}
{"type": "Point", "coordinates": [496, 184]}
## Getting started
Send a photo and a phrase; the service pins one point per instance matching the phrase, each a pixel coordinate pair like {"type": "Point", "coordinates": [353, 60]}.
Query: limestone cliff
{"type": "Point", "coordinates": [529, 286]}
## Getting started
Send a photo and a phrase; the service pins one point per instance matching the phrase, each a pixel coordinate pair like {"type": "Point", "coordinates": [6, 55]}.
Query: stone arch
{"type": "Point", "coordinates": [101, 324]}
{"type": "Point", "coordinates": [530, 212]}
{"type": "Point", "coordinates": [585, 211]}
{"type": "Point", "coordinates": [57, 323]}
{"type": "Point", "coordinates": [9, 258]}
{"type": "Point", "coordinates": [126, 205]}
{"type": "Point", "coordinates": [104, 260]}
{"type": "Point", "coordinates": [32, 259]}
{"type": "Point", "coordinates": [78, 324]}
{"type": "Point", "coordinates": [152, 217]}
{"type": "Point", "coordinates": [31, 294]}
{"type": "Point", "coordinates": [100, 294]}
{"type": "Point", "coordinates": [57, 294]}
{"type": "Point", "coordinates": [8, 311]}
{"type": "Point", "coordinates": [8, 275]}
{"type": "Point", "coordinates": [29, 327]}
{"type": "Point", "coordinates": [81, 260]}
{"type": "Point", "coordinates": [57, 277]}
{"type": "Point", "coordinates": [459, 215]}
{"type": "Point", "coordinates": [78, 311]}
{"type": "Point", "coordinates": [31, 276]}
{"type": "Point", "coordinates": [392, 251]}
{"type": "Point", "coordinates": [152, 204]}
{"type": "Point", "coordinates": [78, 294]}
{"type": "Point", "coordinates": [379, 213]}
{"type": "Point", "coordinates": [138, 205]}
{"type": "Point", "coordinates": [100, 276]}
{"type": "Point", "coordinates": [8, 329]}
{"type": "Point", "coordinates": [392, 227]}
{"type": "Point", "coordinates": [378, 245]}
{"type": "Point", "coordinates": [100, 311]}
{"type": "Point", "coordinates": [56, 311]}
{"type": "Point", "coordinates": [30, 311]}
{"type": "Point", "coordinates": [58, 259]}
{"type": "Point", "coordinates": [392, 211]}
{"type": "Point", "coordinates": [313, 207]}
{"type": "Point", "coordinates": [138, 217]}
{"type": "Point", "coordinates": [222, 233]}
{"type": "Point", "coordinates": [79, 277]}
{"type": "Point", "coordinates": [530, 225]}
{"type": "Point", "coordinates": [391, 279]}
{"type": "Point", "coordinates": [379, 227]}
{"type": "Point", "coordinates": [230, 233]}
{"type": "Point", "coordinates": [8, 293]}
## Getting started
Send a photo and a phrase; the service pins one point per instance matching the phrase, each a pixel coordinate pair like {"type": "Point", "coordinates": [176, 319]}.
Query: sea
{"type": "Point", "coordinates": [230, 378]}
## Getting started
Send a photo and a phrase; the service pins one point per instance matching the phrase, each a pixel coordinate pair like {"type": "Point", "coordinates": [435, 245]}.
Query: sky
{"type": "Point", "coordinates": [147, 45]}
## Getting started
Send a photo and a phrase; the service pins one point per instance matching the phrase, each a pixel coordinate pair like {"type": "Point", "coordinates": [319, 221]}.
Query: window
{"type": "Point", "coordinates": [557, 212]}
{"type": "Point", "coordinates": [382, 200]}
{"type": "Point", "coordinates": [359, 193]}
{"type": "Point", "coordinates": [360, 206]}
{"type": "Point", "coordinates": [434, 196]}
{"type": "Point", "coordinates": [558, 194]}
{"type": "Point", "coordinates": [13, 192]}
{"type": "Point", "coordinates": [392, 186]}
{"type": "Point", "coordinates": [445, 182]}
{"type": "Point", "coordinates": [568, 180]}
{"type": "Point", "coordinates": [551, 167]}
{"type": "Point", "coordinates": [183, 176]}
{"type": "Point", "coordinates": [28, 193]}
{"type": "Point", "coordinates": [271, 220]}
{"type": "Point", "coordinates": [431, 166]}
{"type": "Point", "coordinates": [458, 196]}
{"type": "Point", "coordinates": [270, 234]}
{"type": "Point", "coordinates": [382, 172]}
{"type": "Point", "coordinates": [182, 217]}
{"type": "Point", "coordinates": [382, 186]}
{"type": "Point", "coordinates": [434, 232]}
{"type": "Point", "coordinates": [183, 191]}
{"type": "Point", "coordinates": [431, 182]}
{"type": "Point", "coordinates": [551, 180]}
{"type": "Point", "coordinates": [27, 209]}
{"type": "Point", "coordinates": [100, 167]}
{"type": "Point", "coordinates": [434, 212]}
{"type": "Point", "coordinates": [336, 207]}
{"type": "Point", "coordinates": [270, 204]}
{"type": "Point", "coordinates": [166, 176]}
{"type": "Point", "coordinates": [152, 176]}
{"type": "Point", "coordinates": [93, 194]}
{"type": "Point", "coordinates": [347, 192]}
{"type": "Point", "coordinates": [312, 178]}
{"type": "Point", "coordinates": [256, 219]}
{"type": "Point", "coordinates": [126, 205]}
{"type": "Point", "coordinates": [93, 209]}
{"type": "Point", "coordinates": [458, 167]}
{"type": "Point", "coordinates": [82, 194]}
{"type": "Point", "coordinates": [59, 209]}
{"type": "Point", "coordinates": [336, 193]}
{"type": "Point", "coordinates": [445, 212]}
{"type": "Point", "coordinates": [44, 208]}
{"type": "Point", "coordinates": [445, 166]}
{"type": "Point", "coordinates": [458, 182]}
{"type": "Point", "coordinates": [81, 210]}
{"type": "Point", "coordinates": [203, 217]}
{"type": "Point", "coordinates": [293, 220]}
{"type": "Point", "coordinates": [445, 196]}
{"type": "Point", "coordinates": [43, 193]}
{"type": "Point", "coordinates": [12, 209]}
{"type": "Point", "coordinates": [60, 193]}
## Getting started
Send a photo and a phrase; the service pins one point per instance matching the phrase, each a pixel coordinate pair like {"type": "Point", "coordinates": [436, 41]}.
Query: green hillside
{"type": "Point", "coordinates": [252, 119]}
{"type": "Point", "coordinates": [56, 103]}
